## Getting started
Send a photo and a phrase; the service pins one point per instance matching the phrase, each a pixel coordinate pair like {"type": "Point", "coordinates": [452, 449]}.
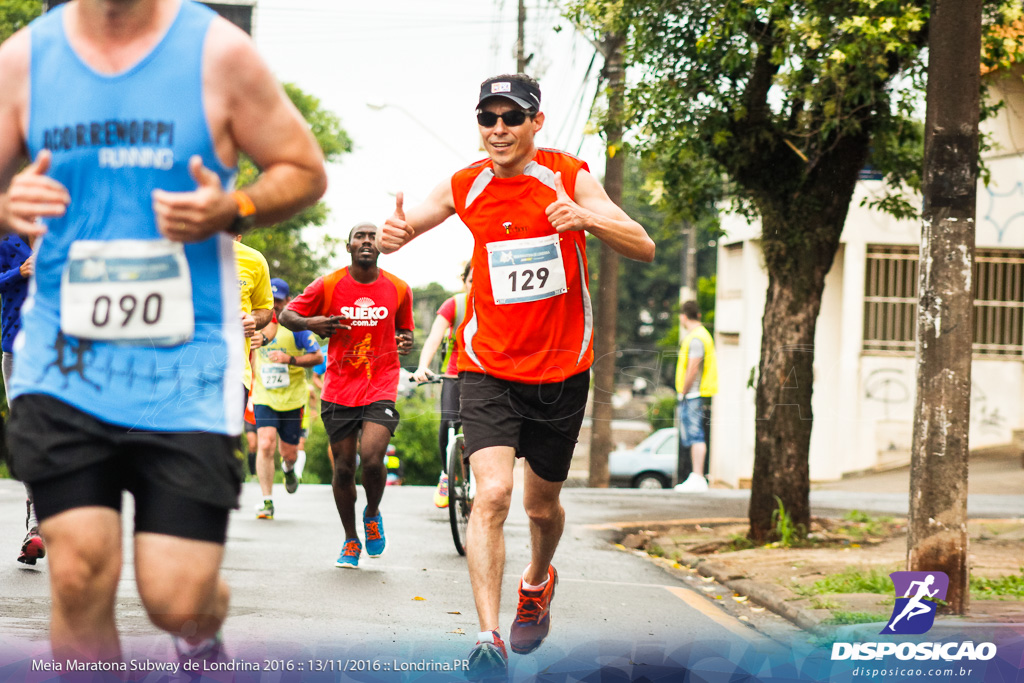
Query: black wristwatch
{"type": "Point", "coordinates": [291, 360]}
{"type": "Point", "coordinates": [245, 219]}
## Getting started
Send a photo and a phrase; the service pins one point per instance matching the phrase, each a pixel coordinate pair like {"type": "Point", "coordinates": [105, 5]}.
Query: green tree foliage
{"type": "Point", "coordinates": [416, 439]}
{"type": "Point", "coordinates": [318, 462]}
{"type": "Point", "coordinates": [16, 14]}
{"type": "Point", "coordinates": [649, 292]}
{"type": "Point", "coordinates": [781, 104]}
{"type": "Point", "coordinates": [295, 252]}
{"type": "Point", "coordinates": [425, 301]}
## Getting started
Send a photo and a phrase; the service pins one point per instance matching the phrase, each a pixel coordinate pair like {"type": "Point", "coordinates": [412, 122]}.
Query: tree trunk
{"type": "Point", "coordinates": [784, 418]}
{"type": "Point", "coordinates": [606, 322]}
{"type": "Point", "coordinates": [937, 529]}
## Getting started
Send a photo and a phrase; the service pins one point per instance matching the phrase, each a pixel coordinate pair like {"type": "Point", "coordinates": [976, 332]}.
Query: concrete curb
{"type": "Point", "coordinates": [772, 597]}
{"type": "Point", "coordinates": [775, 599]}
{"type": "Point", "coordinates": [768, 596]}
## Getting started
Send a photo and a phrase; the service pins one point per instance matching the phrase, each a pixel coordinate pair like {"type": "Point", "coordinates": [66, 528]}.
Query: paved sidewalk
{"type": "Point", "coordinates": [995, 495]}
{"type": "Point", "coordinates": [990, 471]}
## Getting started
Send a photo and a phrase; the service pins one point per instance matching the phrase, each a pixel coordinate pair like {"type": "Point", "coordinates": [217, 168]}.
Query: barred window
{"type": "Point", "coordinates": [890, 301]}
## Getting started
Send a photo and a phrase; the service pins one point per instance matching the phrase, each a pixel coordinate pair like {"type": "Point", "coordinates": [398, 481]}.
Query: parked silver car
{"type": "Point", "coordinates": [651, 465]}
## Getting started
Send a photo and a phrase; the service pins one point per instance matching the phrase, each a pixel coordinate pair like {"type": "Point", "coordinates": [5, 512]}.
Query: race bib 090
{"type": "Point", "coordinates": [130, 291]}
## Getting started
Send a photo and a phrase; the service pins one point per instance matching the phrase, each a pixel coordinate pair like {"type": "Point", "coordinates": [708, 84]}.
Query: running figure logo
{"type": "Point", "coordinates": [913, 615]}
{"type": "Point", "coordinates": [360, 355]}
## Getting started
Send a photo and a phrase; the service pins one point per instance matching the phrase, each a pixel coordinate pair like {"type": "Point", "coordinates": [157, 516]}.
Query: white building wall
{"type": "Point", "coordinates": [742, 286]}
{"type": "Point", "coordinates": [863, 403]}
{"type": "Point", "coordinates": [826, 401]}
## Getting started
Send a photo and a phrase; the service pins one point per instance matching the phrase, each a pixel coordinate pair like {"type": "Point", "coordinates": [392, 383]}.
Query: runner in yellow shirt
{"type": "Point", "coordinates": [257, 302]}
{"type": "Point", "coordinates": [279, 394]}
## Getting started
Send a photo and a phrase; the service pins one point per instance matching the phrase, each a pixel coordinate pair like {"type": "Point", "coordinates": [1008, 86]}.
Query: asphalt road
{"type": "Point", "coordinates": [290, 604]}
{"type": "Point", "coordinates": [414, 603]}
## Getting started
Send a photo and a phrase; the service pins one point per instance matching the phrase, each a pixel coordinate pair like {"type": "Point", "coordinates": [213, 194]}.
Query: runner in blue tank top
{"type": "Point", "coordinates": [126, 372]}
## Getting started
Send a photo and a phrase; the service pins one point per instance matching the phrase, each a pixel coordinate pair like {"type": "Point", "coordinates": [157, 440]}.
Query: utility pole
{"type": "Point", "coordinates": [601, 413]}
{"type": "Point", "coordinates": [688, 281]}
{"type": "Point", "coordinates": [521, 59]}
{"type": "Point", "coordinates": [937, 529]}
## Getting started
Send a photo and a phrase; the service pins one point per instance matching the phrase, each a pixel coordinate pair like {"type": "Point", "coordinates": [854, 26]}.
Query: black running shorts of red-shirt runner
{"type": "Point", "coordinates": [340, 422]}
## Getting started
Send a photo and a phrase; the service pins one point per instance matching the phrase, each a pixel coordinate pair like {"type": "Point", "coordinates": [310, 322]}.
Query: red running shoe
{"type": "Point", "coordinates": [32, 548]}
{"type": "Point", "coordinates": [533, 617]}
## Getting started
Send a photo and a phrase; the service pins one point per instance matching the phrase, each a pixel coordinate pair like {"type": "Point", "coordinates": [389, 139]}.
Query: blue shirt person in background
{"type": "Point", "coordinates": [16, 266]}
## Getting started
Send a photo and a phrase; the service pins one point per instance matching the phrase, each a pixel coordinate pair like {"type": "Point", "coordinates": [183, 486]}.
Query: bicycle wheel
{"type": "Point", "coordinates": [460, 498]}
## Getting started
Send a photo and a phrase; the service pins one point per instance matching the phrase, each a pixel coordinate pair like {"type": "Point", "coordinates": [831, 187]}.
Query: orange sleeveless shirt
{"type": "Point", "coordinates": [529, 318]}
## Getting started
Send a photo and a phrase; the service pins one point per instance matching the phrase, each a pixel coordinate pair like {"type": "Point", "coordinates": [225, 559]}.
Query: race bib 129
{"type": "Point", "coordinates": [526, 270]}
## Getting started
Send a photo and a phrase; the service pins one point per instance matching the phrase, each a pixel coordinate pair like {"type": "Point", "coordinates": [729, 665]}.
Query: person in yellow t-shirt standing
{"type": "Point", "coordinates": [696, 383]}
{"type": "Point", "coordinates": [279, 394]}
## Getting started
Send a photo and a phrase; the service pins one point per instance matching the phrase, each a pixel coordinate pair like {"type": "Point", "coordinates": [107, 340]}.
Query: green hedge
{"type": "Point", "coordinates": [661, 413]}
{"type": "Point", "coordinates": [415, 441]}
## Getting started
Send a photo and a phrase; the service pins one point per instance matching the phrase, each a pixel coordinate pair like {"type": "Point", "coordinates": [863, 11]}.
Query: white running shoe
{"type": "Point", "coordinates": [694, 483]}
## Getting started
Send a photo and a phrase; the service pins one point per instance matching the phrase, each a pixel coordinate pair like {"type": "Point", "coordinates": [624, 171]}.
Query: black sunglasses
{"type": "Point", "coordinates": [512, 118]}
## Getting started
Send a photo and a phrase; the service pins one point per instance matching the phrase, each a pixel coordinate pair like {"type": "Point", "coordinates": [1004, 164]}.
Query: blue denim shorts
{"type": "Point", "coordinates": [691, 421]}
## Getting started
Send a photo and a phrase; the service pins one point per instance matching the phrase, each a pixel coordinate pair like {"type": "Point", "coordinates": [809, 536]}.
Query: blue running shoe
{"type": "Point", "coordinates": [488, 661]}
{"type": "Point", "coordinates": [349, 558]}
{"type": "Point", "coordinates": [373, 527]}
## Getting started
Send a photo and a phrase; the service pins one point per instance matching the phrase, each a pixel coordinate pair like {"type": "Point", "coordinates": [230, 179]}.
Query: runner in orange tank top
{"type": "Point", "coordinates": [527, 339]}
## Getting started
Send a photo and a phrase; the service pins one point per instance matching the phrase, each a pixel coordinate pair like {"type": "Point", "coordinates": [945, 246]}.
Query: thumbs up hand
{"type": "Point", "coordinates": [33, 195]}
{"type": "Point", "coordinates": [196, 215]}
{"type": "Point", "coordinates": [395, 231]}
{"type": "Point", "coordinates": [565, 214]}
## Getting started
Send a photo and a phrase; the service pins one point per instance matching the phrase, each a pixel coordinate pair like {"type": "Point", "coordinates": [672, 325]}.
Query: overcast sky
{"type": "Point", "coordinates": [424, 61]}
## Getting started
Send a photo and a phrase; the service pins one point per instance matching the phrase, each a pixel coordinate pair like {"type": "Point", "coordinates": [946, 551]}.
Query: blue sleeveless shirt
{"type": "Point", "coordinates": [114, 139]}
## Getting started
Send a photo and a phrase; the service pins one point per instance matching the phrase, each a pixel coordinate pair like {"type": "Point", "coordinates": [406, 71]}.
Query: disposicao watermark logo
{"type": "Point", "coordinates": [914, 613]}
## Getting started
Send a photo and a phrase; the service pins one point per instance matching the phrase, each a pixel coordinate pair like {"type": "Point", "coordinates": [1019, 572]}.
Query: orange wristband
{"type": "Point", "coordinates": [245, 206]}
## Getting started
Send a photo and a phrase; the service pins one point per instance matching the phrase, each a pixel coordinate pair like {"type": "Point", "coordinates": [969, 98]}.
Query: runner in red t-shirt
{"type": "Point", "coordinates": [367, 314]}
{"type": "Point", "coordinates": [526, 341]}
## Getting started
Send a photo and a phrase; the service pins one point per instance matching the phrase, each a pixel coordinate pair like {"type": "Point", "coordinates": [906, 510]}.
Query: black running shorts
{"type": "Point", "coordinates": [184, 483]}
{"type": "Point", "coordinates": [540, 421]}
{"type": "Point", "coordinates": [341, 421]}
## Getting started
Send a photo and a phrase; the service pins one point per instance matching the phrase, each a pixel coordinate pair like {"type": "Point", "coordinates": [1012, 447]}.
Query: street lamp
{"type": "Point", "coordinates": [378, 106]}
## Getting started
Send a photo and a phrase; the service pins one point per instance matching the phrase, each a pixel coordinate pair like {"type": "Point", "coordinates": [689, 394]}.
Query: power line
{"type": "Point", "coordinates": [597, 94]}
{"type": "Point", "coordinates": [578, 98]}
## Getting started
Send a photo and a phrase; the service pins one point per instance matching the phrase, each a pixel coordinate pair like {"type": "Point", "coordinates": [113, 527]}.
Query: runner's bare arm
{"type": "Point", "coordinates": [592, 210]}
{"type": "Point", "coordinates": [306, 360]}
{"type": "Point", "coordinates": [248, 111]}
{"type": "Point", "coordinates": [263, 317]}
{"type": "Point", "coordinates": [402, 226]}
{"type": "Point", "coordinates": [438, 330]}
{"type": "Point", "coordinates": [29, 194]}
{"type": "Point", "coordinates": [320, 325]}
{"type": "Point", "coordinates": [692, 366]}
